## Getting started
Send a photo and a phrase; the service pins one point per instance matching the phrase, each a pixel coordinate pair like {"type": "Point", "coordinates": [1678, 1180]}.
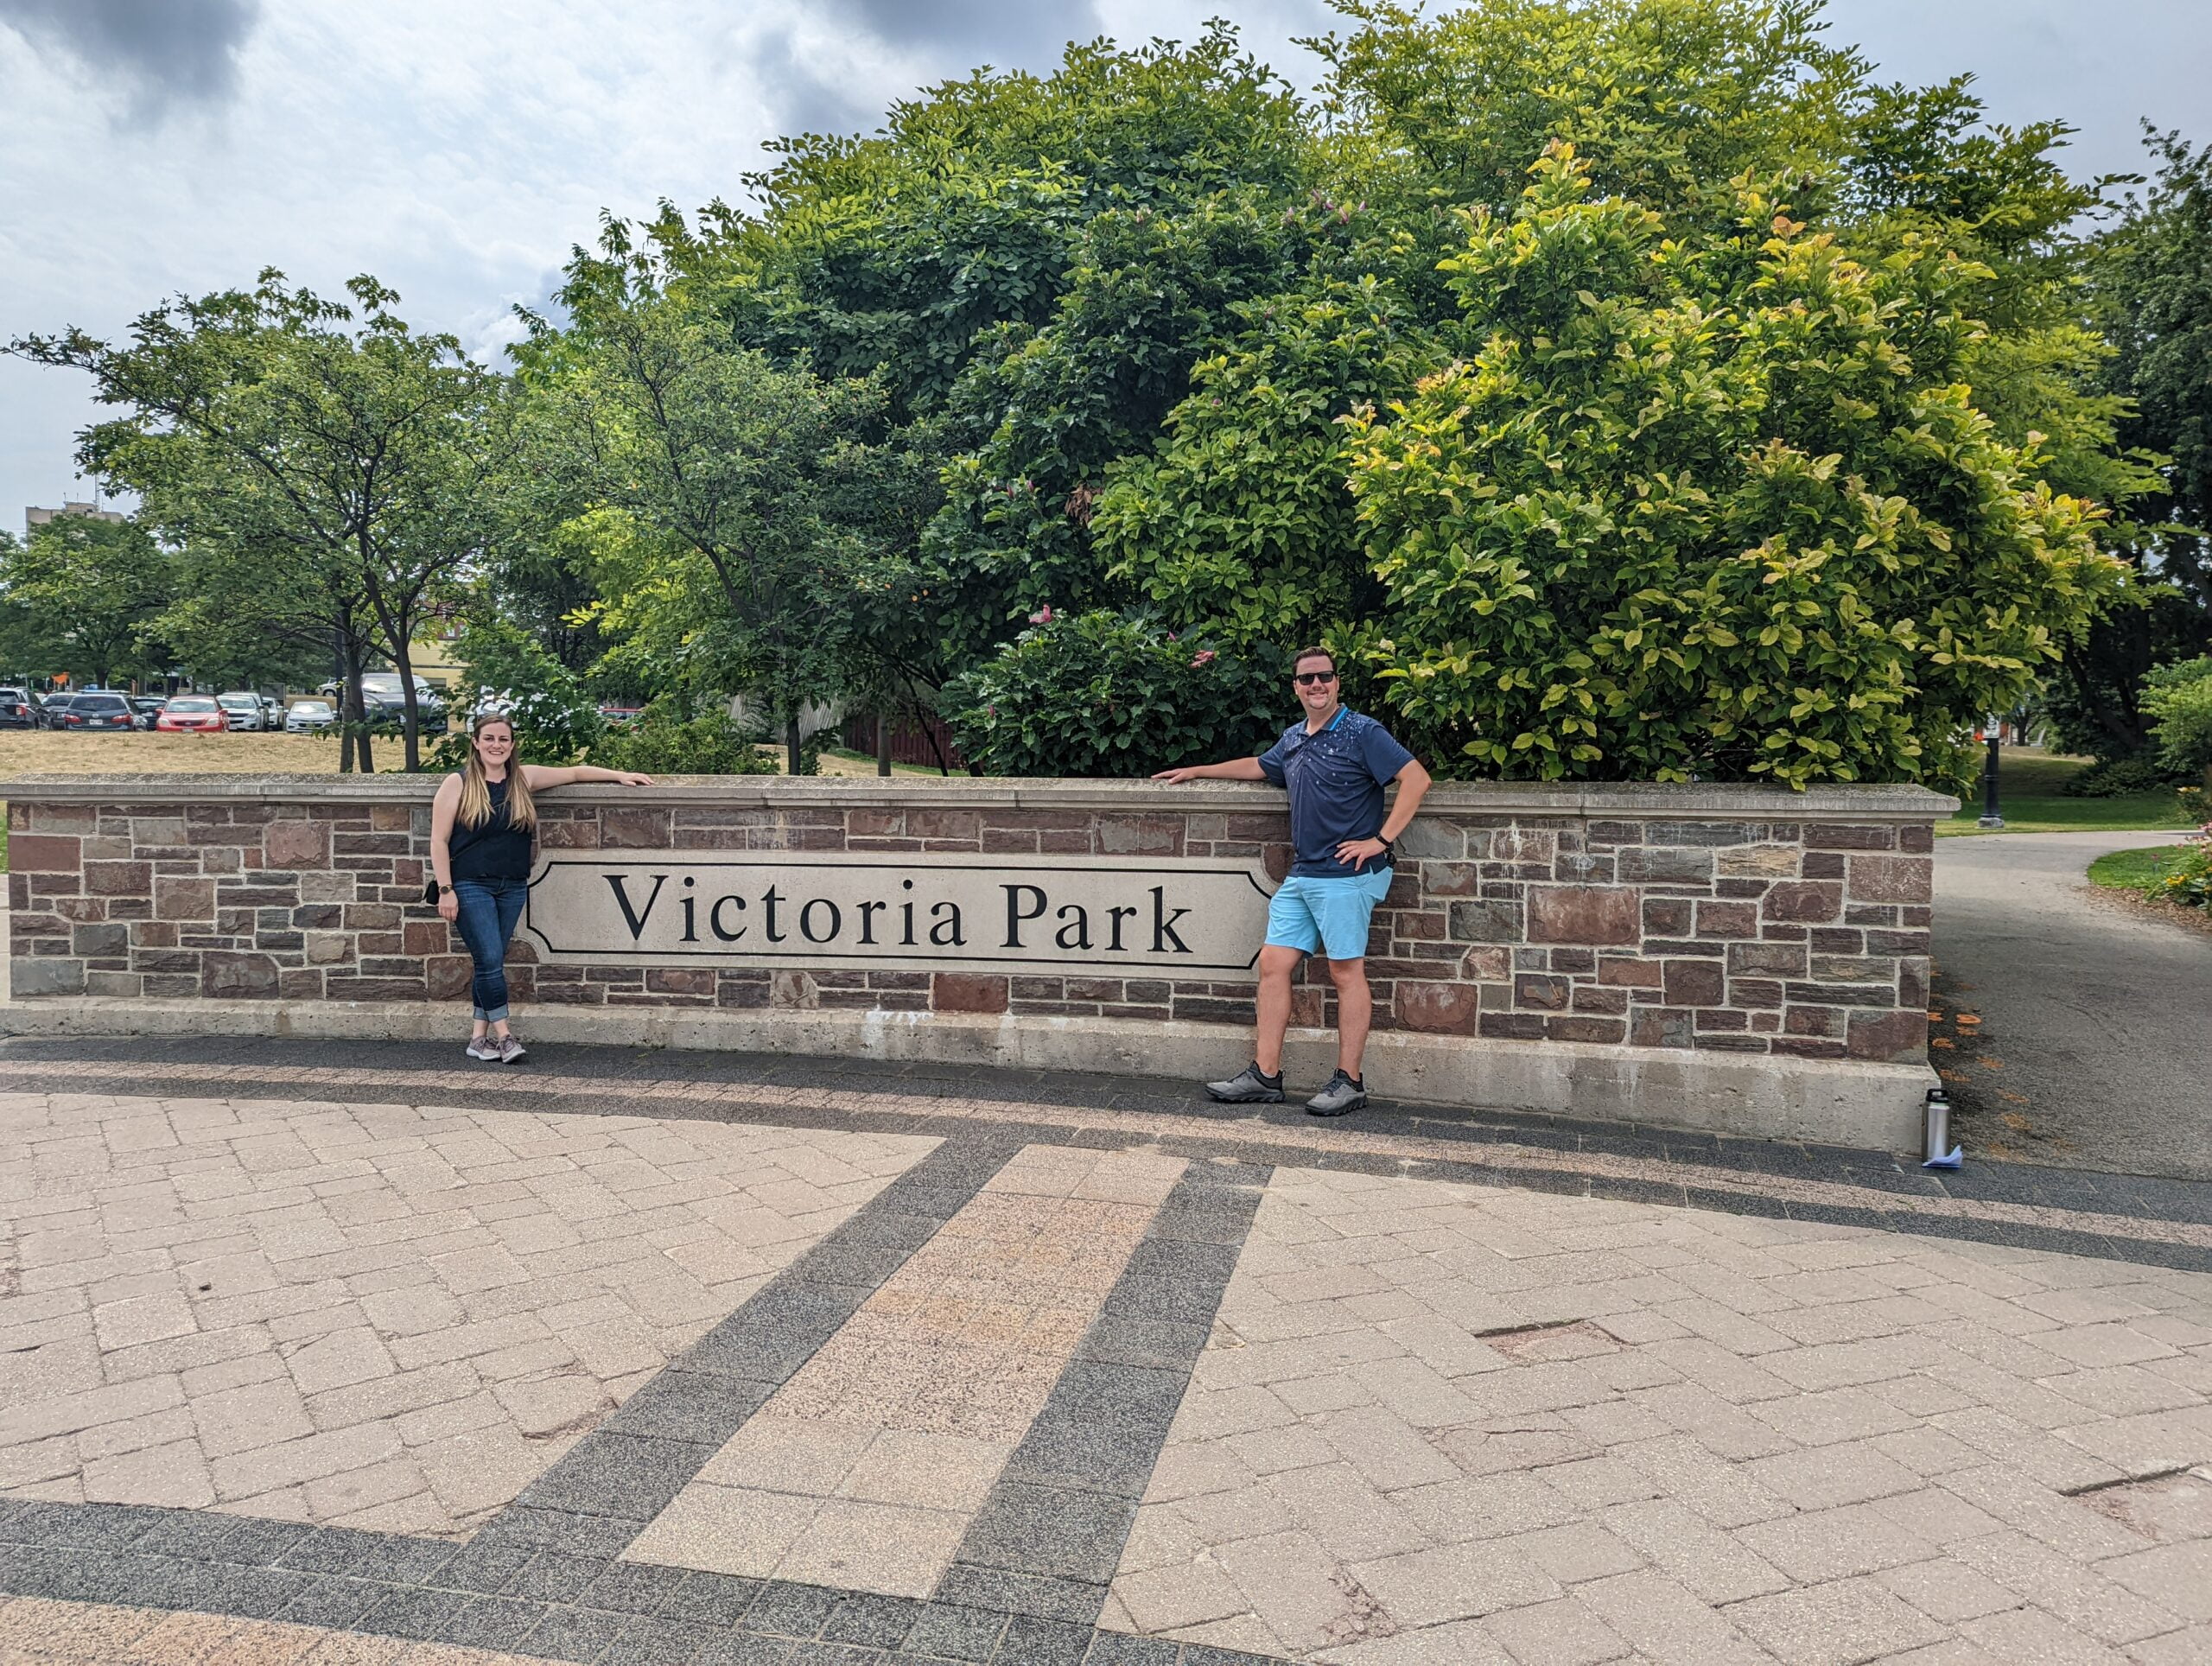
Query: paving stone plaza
{"type": "Point", "coordinates": [332, 1353]}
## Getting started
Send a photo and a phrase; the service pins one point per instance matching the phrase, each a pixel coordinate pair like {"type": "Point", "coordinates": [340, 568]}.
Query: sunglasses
{"type": "Point", "coordinates": [1307, 679]}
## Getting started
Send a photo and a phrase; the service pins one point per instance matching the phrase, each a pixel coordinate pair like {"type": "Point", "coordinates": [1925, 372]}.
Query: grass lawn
{"type": "Point", "coordinates": [2132, 870]}
{"type": "Point", "coordinates": [2028, 783]}
{"type": "Point", "coordinates": [840, 760]}
{"type": "Point", "coordinates": [47, 752]}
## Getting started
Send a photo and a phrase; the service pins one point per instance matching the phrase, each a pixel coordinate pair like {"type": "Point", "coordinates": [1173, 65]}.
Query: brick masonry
{"type": "Point", "coordinates": [1740, 920]}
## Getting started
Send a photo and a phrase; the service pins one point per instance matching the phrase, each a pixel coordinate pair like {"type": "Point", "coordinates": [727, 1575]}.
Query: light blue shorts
{"type": "Point", "coordinates": [1326, 916]}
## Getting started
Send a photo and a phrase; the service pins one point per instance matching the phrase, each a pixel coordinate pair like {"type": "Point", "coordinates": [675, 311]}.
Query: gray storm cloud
{"type": "Point", "coordinates": [1012, 34]}
{"type": "Point", "coordinates": [953, 36]}
{"type": "Point", "coordinates": [159, 52]}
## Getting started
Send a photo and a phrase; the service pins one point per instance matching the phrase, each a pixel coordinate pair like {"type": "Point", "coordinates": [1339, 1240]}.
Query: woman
{"type": "Point", "coordinates": [480, 827]}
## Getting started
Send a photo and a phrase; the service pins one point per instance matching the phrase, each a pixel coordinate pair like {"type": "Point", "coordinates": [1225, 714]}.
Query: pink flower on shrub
{"type": "Point", "coordinates": [1043, 615]}
{"type": "Point", "coordinates": [1203, 656]}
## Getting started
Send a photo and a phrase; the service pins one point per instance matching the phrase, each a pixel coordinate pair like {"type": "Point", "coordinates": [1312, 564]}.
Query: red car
{"type": "Point", "coordinates": [191, 714]}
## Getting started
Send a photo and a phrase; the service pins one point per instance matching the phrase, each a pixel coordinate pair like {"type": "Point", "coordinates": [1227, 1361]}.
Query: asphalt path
{"type": "Point", "coordinates": [2095, 1045]}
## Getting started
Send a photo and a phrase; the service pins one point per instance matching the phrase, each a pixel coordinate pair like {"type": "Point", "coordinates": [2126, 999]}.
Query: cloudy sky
{"type": "Point", "coordinates": [457, 148]}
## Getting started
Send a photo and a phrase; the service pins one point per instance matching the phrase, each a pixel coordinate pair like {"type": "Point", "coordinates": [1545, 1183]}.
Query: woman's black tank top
{"type": "Point", "coordinates": [492, 849]}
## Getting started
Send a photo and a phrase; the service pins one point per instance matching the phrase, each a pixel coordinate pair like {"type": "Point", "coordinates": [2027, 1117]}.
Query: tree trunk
{"type": "Point", "coordinates": [409, 703]}
{"type": "Point", "coordinates": [928, 733]}
{"type": "Point", "coordinates": [791, 741]}
{"type": "Point", "coordinates": [882, 743]}
{"type": "Point", "coordinates": [353, 711]}
{"type": "Point", "coordinates": [339, 668]}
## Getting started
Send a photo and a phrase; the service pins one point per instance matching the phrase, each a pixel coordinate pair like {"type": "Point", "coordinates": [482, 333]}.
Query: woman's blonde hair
{"type": "Point", "coordinates": [476, 787]}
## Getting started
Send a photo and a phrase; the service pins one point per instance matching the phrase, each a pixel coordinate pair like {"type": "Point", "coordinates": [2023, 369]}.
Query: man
{"type": "Point", "coordinates": [1336, 764]}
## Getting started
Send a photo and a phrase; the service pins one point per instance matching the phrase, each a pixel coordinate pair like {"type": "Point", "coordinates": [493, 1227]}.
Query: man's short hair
{"type": "Point", "coordinates": [1305, 654]}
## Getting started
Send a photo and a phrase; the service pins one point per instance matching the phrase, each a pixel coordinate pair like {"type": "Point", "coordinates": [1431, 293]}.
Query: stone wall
{"type": "Point", "coordinates": [1668, 919]}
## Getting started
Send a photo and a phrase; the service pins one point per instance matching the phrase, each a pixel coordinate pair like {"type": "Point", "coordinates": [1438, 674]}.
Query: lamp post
{"type": "Point", "coordinates": [1989, 816]}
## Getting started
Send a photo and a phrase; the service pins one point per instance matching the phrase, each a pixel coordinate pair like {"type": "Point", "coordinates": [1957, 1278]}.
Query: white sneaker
{"type": "Point", "coordinates": [484, 1047]}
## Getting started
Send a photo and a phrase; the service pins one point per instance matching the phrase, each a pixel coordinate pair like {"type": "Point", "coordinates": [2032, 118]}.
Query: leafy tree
{"type": "Point", "coordinates": [85, 595]}
{"type": "Point", "coordinates": [1665, 100]}
{"type": "Point", "coordinates": [2160, 287]}
{"type": "Point", "coordinates": [750, 521]}
{"type": "Point", "coordinates": [1026, 267]}
{"type": "Point", "coordinates": [902, 254]}
{"type": "Point", "coordinates": [2152, 284]}
{"type": "Point", "coordinates": [1722, 511]}
{"type": "Point", "coordinates": [1149, 293]}
{"type": "Point", "coordinates": [1243, 516]}
{"type": "Point", "coordinates": [339, 463]}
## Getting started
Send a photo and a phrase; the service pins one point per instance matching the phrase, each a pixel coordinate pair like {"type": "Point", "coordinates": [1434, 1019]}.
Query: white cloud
{"type": "Point", "coordinates": [458, 148]}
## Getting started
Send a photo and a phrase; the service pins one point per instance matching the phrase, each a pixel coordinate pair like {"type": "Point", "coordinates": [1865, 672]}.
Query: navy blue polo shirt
{"type": "Point", "coordinates": [1335, 779]}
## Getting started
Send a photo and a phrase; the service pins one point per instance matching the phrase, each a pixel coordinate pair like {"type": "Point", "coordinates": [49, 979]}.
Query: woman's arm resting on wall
{"type": "Point", "coordinates": [541, 776]}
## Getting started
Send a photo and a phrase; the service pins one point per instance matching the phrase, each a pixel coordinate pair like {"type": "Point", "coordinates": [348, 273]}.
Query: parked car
{"type": "Point", "coordinates": [383, 689]}
{"type": "Point", "coordinates": [52, 708]}
{"type": "Point", "coordinates": [388, 681]}
{"type": "Point", "coordinates": [244, 709]}
{"type": "Point", "coordinates": [306, 716]}
{"type": "Point", "coordinates": [101, 711]}
{"type": "Point", "coordinates": [148, 707]}
{"type": "Point", "coordinates": [192, 714]}
{"type": "Point", "coordinates": [18, 708]}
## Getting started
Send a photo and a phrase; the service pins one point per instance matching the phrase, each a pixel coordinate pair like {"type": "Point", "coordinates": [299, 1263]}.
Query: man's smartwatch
{"type": "Point", "coordinates": [1388, 849]}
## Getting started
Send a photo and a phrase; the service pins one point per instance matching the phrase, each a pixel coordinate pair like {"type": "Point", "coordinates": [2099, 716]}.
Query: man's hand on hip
{"type": "Point", "coordinates": [1352, 852]}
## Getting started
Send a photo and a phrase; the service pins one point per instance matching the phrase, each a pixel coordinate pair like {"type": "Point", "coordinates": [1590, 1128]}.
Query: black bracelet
{"type": "Point", "coordinates": [1390, 848]}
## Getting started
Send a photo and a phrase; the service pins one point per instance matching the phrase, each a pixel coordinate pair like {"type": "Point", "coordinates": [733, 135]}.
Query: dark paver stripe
{"type": "Point", "coordinates": [1049, 1536]}
{"type": "Point", "coordinates": [629, 1469]}
{"type": "Point", "coordinates": [546, 1604]}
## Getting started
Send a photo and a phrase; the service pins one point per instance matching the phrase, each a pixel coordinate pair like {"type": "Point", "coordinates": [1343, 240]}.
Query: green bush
{"type": "Point", "coordinates": [1102, 694]}
{"type": "Point", "coordinates": [2178, 698]}
{"type": "Point", "coordinates": [2121, 778]}
{"type": "Point", "coordinates": [1721, 510]}
{"type": "Point", "coordinates": [665, 741]}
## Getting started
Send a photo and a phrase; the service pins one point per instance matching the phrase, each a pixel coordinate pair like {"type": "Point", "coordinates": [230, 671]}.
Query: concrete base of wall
{"type": "Point", "coordinates": [1754, 1096]}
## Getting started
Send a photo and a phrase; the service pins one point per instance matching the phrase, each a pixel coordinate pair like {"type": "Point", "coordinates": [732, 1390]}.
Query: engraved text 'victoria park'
{"type": "Point", "coordinates": [920, 911]}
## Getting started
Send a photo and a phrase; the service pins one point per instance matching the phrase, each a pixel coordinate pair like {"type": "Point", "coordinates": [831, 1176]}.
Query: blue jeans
{"type": "Point", "coordinates": [489, 909]}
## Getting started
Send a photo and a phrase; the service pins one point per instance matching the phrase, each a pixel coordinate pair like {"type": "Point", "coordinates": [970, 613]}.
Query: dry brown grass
{"type": "Point", "coordinates": [43, 752]}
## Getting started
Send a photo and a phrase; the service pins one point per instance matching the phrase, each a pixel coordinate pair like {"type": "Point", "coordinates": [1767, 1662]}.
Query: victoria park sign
{"type": "Point", "coordinates": [903, 911]}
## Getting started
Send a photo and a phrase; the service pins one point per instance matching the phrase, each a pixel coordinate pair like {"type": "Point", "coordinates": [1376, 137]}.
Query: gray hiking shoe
{"type": "Point", "coordinates": [510, 1051]}
{"type": "Point", "coordinates": [484, 1047]}
{"type": "Point", "coordinates": [1248, 1088]}
{"type": "Point", "coordinates": [1343, 1096]}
